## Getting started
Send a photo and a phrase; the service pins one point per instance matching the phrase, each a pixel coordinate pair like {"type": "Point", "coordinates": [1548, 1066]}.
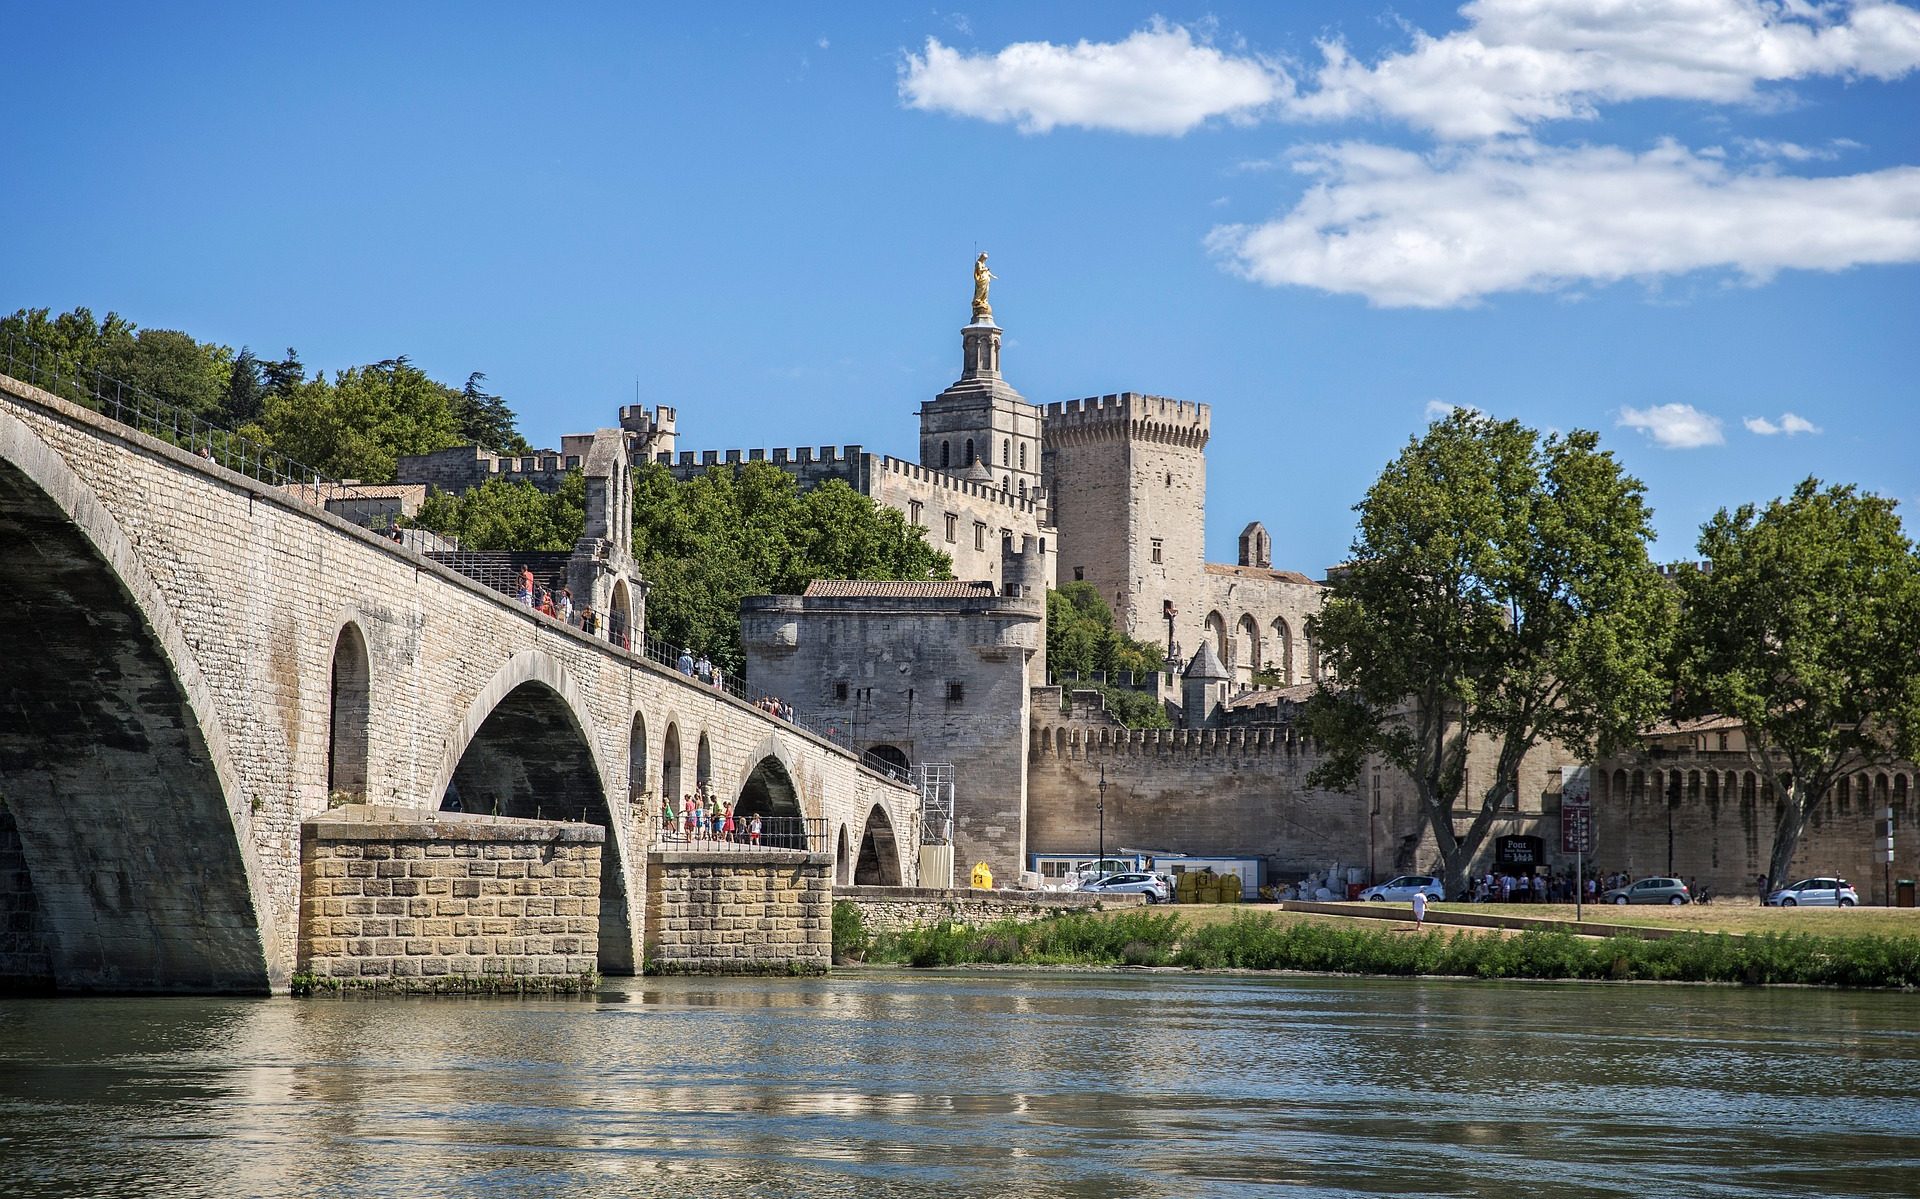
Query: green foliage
{"type": "Point", "coordinates": [486, 421]}
{"type": "Point", "coordinates": [1256, 941]}
{"type": "Point", "coordinates": [1806, 628]}
{"type": "Point", "coordinates": [705, 544]}
{"type": "Point", "coordinates": [1498, 587]}
{"type": "Point", "coordinates": [166, 364]}
{"type": "Point", "coordinates": [360, 425]}
{"type": "Point", "coordinates": [1137, 938]}
{"type": "Point", "coordinates": [502, 515]}
{"type": "Point", "coordinates": [850, 939]}
{"type": "Point", "coordinates": [1082, 639]}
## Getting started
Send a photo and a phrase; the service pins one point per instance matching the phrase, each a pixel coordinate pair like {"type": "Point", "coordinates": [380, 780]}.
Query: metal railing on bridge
{"type": "Point", "coordinates": [372, 507]}
{"type": "Point", "coordinates": [699, 834]}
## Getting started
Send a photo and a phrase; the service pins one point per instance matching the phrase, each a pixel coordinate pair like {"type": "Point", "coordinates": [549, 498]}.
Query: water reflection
{"type": "Point", "coordinates": [895, 1084]}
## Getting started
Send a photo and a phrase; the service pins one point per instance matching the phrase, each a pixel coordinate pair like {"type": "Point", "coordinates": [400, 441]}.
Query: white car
{"type": "Point", "coordinates": [1404, 888]}
{"type": "Point", "coordinates": [1815, 893]}
{"type": "Point", "coordinates": [1155, 888]}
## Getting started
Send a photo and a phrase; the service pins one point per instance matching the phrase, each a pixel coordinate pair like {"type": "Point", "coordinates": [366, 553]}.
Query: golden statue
{"type": "Point", "coordinates": [982, 311]}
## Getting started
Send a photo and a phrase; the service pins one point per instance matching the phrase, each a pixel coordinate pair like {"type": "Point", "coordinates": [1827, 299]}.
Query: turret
{"type": "Point", "coordinates": [1204, 689]}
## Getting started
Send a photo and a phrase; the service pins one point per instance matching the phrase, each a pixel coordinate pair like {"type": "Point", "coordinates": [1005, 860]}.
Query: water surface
{"type": "Point", "coordinates": [889, 1083]}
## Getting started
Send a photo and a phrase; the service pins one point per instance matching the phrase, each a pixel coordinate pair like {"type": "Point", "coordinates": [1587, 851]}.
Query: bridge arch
{"type": "Point", "coordinates": [842, 859]}
{"type": "Point", "coordinates": [349, 709]}
{"type": "Point", "coordinates": [879, 862]}
{"type": "Point", "coordinates": [671, 760]}
{"type": "Point", "coordinates": [768, 791]}
{"type": "Point", "coordinates": [637, 763]}
{"type": "Point", "coordinates": [528, 750]}
{"type": "Point", "coordinates": [121, 723]}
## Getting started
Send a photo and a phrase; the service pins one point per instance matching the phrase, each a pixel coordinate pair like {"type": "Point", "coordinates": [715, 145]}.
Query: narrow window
{"type": "Point", "coordinates": [913, 511]}
{"type": "Point", "coordinates": [1079, 574]}
{"type": "Point", "coordinates": [946, 454]}
{"type": "Point", "coordinates": [1006, 452]}
{"type": "Point", "coordinates": [1023, 455]}
{"type": "Point", "coordinates": [969, 461]}
{"type": "Point", "coordinates": [953, 525]}
{"type": "Point", "coordinates": [956, 693]}
{"type": "Point", "coordinates": [979, 535]}
{"type": "Point", "coordinates": [1023, 489]}
{"type": "Point", "coordinates": [1006, 483]}
{"type": "Point", "coordinates": [840, 692]}
{"type": "Point", "coordinates": [1156, 549]}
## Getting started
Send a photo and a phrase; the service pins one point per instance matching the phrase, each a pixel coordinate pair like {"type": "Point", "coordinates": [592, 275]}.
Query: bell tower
{"type": "Point", "coordinates": [981, 421]}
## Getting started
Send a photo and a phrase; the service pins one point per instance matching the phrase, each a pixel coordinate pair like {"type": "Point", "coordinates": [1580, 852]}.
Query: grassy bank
{"type": "Point", "coordinates": [1257, 941]}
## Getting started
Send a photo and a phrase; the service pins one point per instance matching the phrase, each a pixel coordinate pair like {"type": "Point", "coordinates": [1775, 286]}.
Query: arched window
{"type": "Point", "coordinates": [1006, 482]}
{"type": "Point", "coordinates": [1023, 489]}
{"type": "Point", "coordinates": [1023, 455]}
{"type": "Point", "coordinates": [969, 461]}
{"type": "Point", "coordinates": [946, 454]}
{"type": "Point", "coordinates": [1006, 452]}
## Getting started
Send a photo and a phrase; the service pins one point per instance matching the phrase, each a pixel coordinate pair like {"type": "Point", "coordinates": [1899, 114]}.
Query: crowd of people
{"type": "Point", "coordinates": [1558, 887]}
{"type": "Point", "coordinates": [705, 818]}
{"type": "Point", "coordinates": [556, 600]}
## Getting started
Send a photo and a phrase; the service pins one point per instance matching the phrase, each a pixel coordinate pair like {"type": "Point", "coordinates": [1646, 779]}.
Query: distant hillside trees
{"type": "Point", "coordinates": [355, 425]}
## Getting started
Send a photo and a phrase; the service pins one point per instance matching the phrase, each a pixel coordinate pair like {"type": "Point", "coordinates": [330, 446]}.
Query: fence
{"type": "Point", "coordinates": [696, 833]}
{"type": "Point", "coordinates": [30, 362]}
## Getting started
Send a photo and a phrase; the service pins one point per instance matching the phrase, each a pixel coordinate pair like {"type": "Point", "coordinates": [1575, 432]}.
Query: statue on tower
{"type": "Point", "coordinates": [982, 277]}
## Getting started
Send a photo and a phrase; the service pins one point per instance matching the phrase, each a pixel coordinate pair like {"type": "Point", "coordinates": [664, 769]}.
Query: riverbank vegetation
{"type": "Point", "coordinates": [1258, 941]}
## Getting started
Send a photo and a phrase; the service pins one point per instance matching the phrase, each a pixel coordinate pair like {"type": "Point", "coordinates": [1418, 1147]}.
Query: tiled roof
{"type": "Point", "coordinates": [1699, 724]}
{"type": "Point", "coordinates": [903, 588]}
{"type": "Point", "coordinates": [1298, 693]}
{"type": "Point", "coordinates": [1257, 572]}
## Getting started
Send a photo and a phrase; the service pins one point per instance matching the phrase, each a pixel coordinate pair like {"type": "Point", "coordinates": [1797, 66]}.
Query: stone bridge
{"type": "Point", "coordinates": [193, 663]}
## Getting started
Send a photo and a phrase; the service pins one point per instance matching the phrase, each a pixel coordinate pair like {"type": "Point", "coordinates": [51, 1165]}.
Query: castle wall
{"type": "Point", "coordinates": [1122, 473]}
{"type": "Point", "coordinates": [809, 467]}
{"type": "Point", "coordinates": [1723, 819]}
{"type": "Point", "coordinates": [1276, 603]}
{"type": "Point", "coordinates": [983, 517]}
{"type": "Point", "coordinates": [940, 680]}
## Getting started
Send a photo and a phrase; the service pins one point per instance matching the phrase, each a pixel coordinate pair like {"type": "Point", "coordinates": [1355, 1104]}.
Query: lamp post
{"type": "Point", "coordinates": [1101, 809]}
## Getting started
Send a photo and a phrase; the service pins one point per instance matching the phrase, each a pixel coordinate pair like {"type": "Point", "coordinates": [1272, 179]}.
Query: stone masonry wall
{"type": "Point", "coordinates": [246, 592]}
{"type": "Point", "coordinates": [24, 964]}
{"type": "Point", "coordinates": [739, 912]}
{"type": "Point", "coordinates": [890, 909]}
{"type": "Point", "coordinates": [455, 903]}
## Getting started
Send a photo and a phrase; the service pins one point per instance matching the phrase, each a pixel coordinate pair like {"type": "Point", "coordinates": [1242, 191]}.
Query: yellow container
{"type": "Point", "coordinates": [982, 877]}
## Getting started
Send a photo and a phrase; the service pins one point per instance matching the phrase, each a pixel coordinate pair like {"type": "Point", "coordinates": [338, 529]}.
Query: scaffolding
{"type": "Point", "coordinates": [936, 804]}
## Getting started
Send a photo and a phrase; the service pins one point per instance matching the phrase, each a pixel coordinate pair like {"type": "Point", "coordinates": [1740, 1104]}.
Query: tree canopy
{"type": "Point", "coordinates": [503, 515]}
{"type": "Point", "coordinates": [1499, 589]}
{"type": "Point", "coordinates": [1806, 626]}
{"type": "Point", "coordinates": [355, 426]}
{"type": "Point", "coordinates": [705, 544]}
{"type": "Point", "coordinates": [1082, 639]}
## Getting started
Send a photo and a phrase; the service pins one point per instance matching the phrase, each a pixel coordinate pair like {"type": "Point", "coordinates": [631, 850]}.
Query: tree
{"type": "Point", "coordinates": [1499, 589]}
{"type": "Point", "coordinates": [486, 421]}
{"type": "Point", "coordinates": [246, 393]}
{"type": "Point", "coordinates": [502, 515]}
{"type": "Point", "coordinates": [705, 544]}
{"type": "Point", "coordinates": [1082, 639]}
{"type": "Point", "coordinates": [362, 423]}
{"type": "Point", "coordinates": [1805, 625]}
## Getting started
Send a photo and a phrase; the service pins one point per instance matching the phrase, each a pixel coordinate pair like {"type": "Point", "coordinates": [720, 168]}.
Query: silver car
{"type": "Point", "coordinates": [1152, 886]}
{"type": "Point", "coordinates": [1816, 893]}
{"type": "Point", "coordinates": [1404, 888]}
{"type": "Point", "coordinates": [1651, 890]}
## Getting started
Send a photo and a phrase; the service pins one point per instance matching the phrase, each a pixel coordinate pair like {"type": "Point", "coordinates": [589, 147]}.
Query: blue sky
{"type": "Point", "coordinates": [1662, 220]}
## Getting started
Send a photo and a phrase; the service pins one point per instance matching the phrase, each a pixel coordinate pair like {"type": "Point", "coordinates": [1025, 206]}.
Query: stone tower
{"type": "Point", "coordinates": [981, 421]}
{"type": "Point", "coordinates": [1256, 548]}
{"type": "Point", "coordinates": [1126, 479]}
{"type": "Point", "coordinates": [1203, 689]}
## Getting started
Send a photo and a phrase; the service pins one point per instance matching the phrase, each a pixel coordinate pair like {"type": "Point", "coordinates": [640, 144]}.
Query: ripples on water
{"type": "Point", "coordinates": [974, 1085]}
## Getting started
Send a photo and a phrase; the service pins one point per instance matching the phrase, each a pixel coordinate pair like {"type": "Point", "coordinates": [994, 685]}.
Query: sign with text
{"type": "Point", "coordinates": [1519, 853]}
{"type": "Point", "coordinates": [1576, 810]}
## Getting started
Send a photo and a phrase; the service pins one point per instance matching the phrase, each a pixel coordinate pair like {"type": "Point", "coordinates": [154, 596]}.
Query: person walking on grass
{"type": "Point", "coordinates": [1419, 909]}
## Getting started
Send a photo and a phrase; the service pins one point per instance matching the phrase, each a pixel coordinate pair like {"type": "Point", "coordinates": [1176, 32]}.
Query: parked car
{"type": "Point", "coordinates": [1650, 890]}
{"type": "Point", "coordinates": [1404, 888]}
{"type": "Point", "coordinates": [1154, 887]}
{"type": "Point", "coordinates": [1816, 893]}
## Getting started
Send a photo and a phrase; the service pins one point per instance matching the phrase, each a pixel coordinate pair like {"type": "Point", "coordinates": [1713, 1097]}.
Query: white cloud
{"type": "Point", "coordinates": [1157, 81]}
{"type": "Point", "coordinates": [1674, 426]}
{"type": "Point", "coordinates": [1788, 424]}
{"type": "Point", "coordinates": [1442, 230]}
{"type": "Point", "coordinates": [823, 43]}
{"type": "Point", "coordinates": [1441, 410]}
{"type": "Point", "coordinates": [1759, 147]}
{"type": "Point", "coordinates": [1520, 62]}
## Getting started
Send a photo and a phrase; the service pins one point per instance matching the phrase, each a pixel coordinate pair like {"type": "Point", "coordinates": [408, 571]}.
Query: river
{"type": "Point", "coordinates": [976, 1085]}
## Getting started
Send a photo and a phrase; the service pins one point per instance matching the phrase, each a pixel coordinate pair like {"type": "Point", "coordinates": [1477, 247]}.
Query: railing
{"type": "Point", "coordinates": [699, 834]}
{"type": "Point", "coordinates": [27, 360]}
{"type": "Point", "coordinates": [30, 362]}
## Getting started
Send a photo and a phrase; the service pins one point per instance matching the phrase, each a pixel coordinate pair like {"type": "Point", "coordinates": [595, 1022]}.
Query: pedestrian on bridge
{"type": "Point", "coordinates": [526, 586]}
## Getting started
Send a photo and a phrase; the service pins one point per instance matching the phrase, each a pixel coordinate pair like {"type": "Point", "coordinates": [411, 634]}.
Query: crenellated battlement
{"type": "Point", "coordinates": [802, 456]}
{"type": "Point", "coordinates": [1132, 415]}
{"type": "Point", "coordinates": [1068, 742]}
{"type": "Point", "coordinates": [947, 482]}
